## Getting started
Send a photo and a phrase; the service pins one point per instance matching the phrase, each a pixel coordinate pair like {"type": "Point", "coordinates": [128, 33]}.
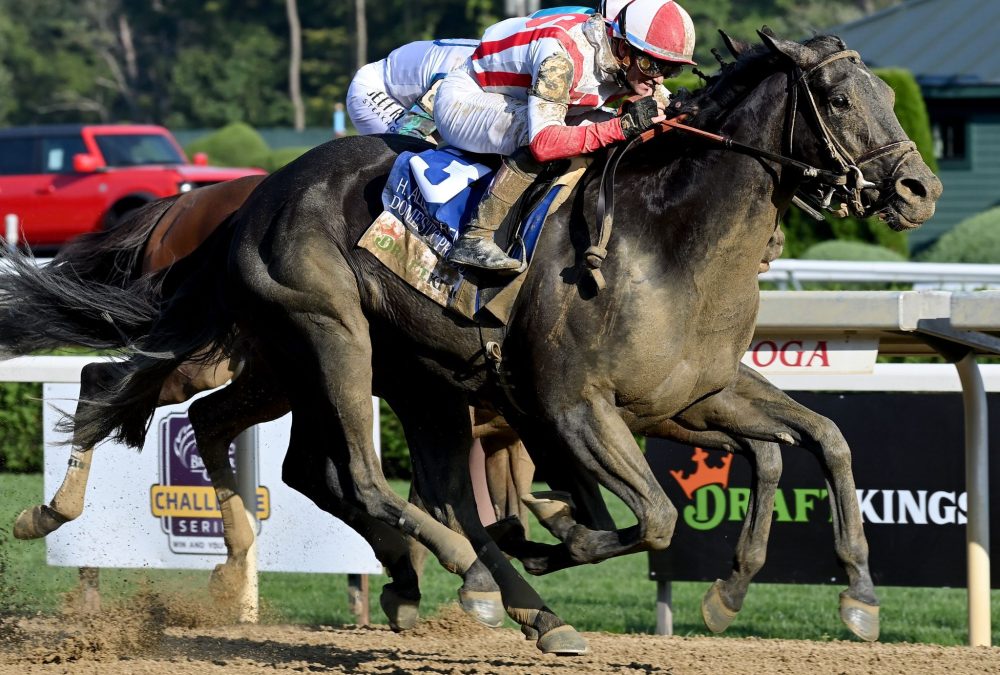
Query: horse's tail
{"type": "Point", "coordinates": [114, 256]}
{"type": "Point", "coordinates": [78, 299]}
{"type": "Point", "coordinates": [194, 324]}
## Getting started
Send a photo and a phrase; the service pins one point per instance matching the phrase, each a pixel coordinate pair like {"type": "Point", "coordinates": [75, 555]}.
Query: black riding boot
{"type": "Point", "coordinates": [476, 247]}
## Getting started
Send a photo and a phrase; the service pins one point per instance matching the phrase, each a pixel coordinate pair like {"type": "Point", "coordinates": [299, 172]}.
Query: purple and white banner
{"type": "Point", "coordinates": [157, 508]}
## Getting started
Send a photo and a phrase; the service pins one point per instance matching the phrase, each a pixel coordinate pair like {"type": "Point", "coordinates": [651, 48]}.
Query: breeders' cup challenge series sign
{"type": "Point", "coordinates": [157, 508]}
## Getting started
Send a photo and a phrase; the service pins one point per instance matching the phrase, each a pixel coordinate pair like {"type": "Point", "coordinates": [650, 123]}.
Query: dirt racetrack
{"type": "Point", "coordinates": [128, 643]}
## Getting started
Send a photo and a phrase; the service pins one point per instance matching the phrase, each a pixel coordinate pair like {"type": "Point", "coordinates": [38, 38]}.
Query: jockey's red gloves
{"type": "Point", "coordinates": [637, 116]}
{"type": "Point", "coordinates": [560, 142]}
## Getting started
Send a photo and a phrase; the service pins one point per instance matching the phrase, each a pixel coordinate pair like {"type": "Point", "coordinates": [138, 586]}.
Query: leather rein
{"type": "Point", "coordinates": [848, 180]}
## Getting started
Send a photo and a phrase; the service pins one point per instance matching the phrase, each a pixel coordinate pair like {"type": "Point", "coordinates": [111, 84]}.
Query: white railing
{"type": "Point", "coordinates": [790, 274]}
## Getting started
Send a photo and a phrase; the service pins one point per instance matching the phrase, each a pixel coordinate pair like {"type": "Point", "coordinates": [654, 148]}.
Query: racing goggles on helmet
{"type": "Point", "coordinates": [651, 67]}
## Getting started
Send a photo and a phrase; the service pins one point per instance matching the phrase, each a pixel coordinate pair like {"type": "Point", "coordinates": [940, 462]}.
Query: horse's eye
{"type": "Point", "coordinates": [839, 101]}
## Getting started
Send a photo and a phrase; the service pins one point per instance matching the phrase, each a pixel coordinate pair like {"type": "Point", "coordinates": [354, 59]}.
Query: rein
{"type": "Point", "coordinates": [848, 180]}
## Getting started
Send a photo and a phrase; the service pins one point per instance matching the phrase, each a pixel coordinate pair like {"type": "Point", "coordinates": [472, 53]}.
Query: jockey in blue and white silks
{"type": "Point", "coordinates": [381, 92]}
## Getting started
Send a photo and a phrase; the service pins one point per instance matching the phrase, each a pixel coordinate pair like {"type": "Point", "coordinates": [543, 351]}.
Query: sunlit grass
{"type": "Point", "coordinates": [614, 596]}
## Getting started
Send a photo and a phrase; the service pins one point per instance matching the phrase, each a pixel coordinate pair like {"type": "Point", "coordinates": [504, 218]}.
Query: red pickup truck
{"type": "Point", "coordinates": [61, 181]}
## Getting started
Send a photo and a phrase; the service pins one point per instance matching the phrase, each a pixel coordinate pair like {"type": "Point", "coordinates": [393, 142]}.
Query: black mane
{"type": "Point", "coordinates": [735, 80]}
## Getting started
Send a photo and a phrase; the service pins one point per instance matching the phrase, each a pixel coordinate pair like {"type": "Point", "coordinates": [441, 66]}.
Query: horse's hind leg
{"type": "Point", "coordinates": [332, 392]}
{"type": "Point", "coordinates": [762, 411]}
{"type": "Point", "coordinates": [253, 398]}
{"type": "Point", "coordinates": [437, 432]}
{"type": "Point", "coordinates": [593, 434]}
{"type": "Point", "coordinates": [217, 419]}
{"type": "Point", "coordinates": [67, 504]}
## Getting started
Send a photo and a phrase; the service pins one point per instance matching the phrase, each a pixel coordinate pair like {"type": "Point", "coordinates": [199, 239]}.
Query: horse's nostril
{"type": "Point", "coordinates": [911, 187]}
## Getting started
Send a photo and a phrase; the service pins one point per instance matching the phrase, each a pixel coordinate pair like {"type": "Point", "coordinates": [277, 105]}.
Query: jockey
{"type": "Point", "coordinates": [382, 92]}
{"type": "Point", "coordinates": [531, 90]}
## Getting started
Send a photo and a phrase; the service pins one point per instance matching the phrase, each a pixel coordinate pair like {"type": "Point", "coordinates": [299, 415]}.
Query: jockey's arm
{"type": "Point", "coordinates": [548, 105]}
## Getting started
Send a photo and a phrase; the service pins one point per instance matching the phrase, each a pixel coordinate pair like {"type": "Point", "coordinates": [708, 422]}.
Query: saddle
{"type": "Point", "coordinates": [429, 198]}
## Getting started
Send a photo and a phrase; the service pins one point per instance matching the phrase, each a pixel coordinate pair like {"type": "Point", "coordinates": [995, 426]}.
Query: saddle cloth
{"type": "Point", "coordinates": [428, 200]}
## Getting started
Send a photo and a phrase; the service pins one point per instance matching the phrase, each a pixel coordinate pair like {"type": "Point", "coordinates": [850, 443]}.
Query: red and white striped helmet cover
{"type": "Point", "coordinates": [660, 28]}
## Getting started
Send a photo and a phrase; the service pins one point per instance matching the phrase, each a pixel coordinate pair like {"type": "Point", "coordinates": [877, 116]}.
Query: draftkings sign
{"type": "Point", "coordinates": [909, 468]}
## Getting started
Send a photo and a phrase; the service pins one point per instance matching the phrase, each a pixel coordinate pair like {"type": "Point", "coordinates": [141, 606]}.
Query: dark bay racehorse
{"type": "Point", "coordinates": [662, 342]}
{"type": "Point", "coordinates": [150, 240]}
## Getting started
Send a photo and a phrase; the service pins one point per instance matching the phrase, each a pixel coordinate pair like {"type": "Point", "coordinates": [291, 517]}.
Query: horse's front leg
{"type": "Point", "coordinates": [761, 411]}
{"type": "Point", "coordinates": [725, 597]}
{"type": "Point", "coordinates": [593, 434]}
{"type": "Point", "coordinates": [436, 426]}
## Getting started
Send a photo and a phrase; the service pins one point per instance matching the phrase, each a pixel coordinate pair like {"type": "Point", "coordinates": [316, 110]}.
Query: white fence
{"type": "Point", "coordinates": [791, 274]}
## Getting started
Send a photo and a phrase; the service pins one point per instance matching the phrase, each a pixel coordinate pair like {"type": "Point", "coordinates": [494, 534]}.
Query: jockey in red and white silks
{"type": "Point", "coordinates": [551, 85]}
{"type": "Point", "coordinates": [381, 92]}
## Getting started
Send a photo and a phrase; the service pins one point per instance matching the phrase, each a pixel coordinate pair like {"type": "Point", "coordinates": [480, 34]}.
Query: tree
{"type": "Point", "coordinates": [361, 24]}
{"type": "Point", "coordinates": [295, 64]}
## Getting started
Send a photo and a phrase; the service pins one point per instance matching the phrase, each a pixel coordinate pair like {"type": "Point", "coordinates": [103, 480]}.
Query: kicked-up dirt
{"type": "Point", "coordinates": [155, 638]}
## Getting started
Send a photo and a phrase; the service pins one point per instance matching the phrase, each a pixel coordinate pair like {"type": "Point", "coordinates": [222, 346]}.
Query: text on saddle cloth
{"type": "Point", "coordinates": [429, 198]}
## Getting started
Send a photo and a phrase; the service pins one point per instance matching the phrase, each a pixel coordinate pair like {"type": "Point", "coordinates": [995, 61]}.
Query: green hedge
{"type": "Point", "coordinates": [851, 250]}
{"type": "Point", "coordinates": [974, 240]}
{"type": "Point", "coordinates": [236, 144]}
{"type": "Point", "coordinates": [239, 144]}
{"type": "Point", "coordinates": [20, 427]}
{"type": "Point", "coordinates": [395, 453]}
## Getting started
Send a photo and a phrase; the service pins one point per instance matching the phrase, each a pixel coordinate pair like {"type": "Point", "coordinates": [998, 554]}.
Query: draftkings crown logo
{"type": "Point", "coordinates": [703, 474]}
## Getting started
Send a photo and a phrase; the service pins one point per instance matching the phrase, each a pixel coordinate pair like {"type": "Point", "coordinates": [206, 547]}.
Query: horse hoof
{"type": "Point", "coordinates": [486, 607]}
{"type": "Point", "coordinates": [714, 611]}
{"type": "Point", "coordinates": [859, 617]}
{"type": "Point", "coordinates": [401, 612]}
{"type": "Point", "coordinates": [530, 633]}
{"type": "Point", "coordinates": [37, 522]}
{"type": "Point", "coordinates": [563, 641]}
{"type": "Point", "coordinates": [549, 504]}
{"type": "Point", "coordinates": [226, 581]}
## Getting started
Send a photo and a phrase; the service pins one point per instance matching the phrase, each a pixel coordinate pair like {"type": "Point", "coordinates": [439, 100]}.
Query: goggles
{"type": "Point", "coordinates": [651, 67]}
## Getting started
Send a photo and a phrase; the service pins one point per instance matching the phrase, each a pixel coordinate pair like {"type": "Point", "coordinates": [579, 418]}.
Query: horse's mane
{"type": "Point", "coordinates": [706, 107]}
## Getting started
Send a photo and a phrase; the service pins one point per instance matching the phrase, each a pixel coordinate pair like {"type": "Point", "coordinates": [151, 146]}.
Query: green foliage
{"type": "Point", "coordinates": [974, 240]}
{"type": "Point", "coordinates": [395, 453]}
{"type": "Point", "coordinates": [851, 250]}
{"type": "Point", "coordinates": [20, 427]}
{"type": "Point", "coordinates": [236, 144]}
{"type": "Point", "coordinates": [276, 159]}
{"type": "Point", "coordinates": [204, 63]}
{"type": "Point", "coordinates": [911, 111]}
{"type": "Point", "coordinates": [235, 79]}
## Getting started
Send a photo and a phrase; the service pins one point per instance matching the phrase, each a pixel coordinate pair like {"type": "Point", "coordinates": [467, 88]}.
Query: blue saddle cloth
{"type": "Point", "coordinates": [434, 193]}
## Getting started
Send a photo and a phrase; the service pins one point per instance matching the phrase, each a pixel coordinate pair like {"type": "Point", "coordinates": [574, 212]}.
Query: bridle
{"type": "Point", "coordinates": [847, 180]}
{"type": "Point", "coordinates": [850, 180]}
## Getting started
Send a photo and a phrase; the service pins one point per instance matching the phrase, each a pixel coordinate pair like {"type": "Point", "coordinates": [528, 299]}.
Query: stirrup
{"type": "Point", "coordinates": [481, 253]}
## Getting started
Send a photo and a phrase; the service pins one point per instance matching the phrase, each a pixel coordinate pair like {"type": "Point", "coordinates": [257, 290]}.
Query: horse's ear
{"type": "Point", "coordinates": [795, 52]}
{"type": "Point", "coordinates": [735, 46]}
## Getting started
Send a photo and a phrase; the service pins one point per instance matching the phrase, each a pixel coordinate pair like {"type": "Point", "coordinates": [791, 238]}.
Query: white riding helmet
{"type": "Point", "coordinates": [659, 28]}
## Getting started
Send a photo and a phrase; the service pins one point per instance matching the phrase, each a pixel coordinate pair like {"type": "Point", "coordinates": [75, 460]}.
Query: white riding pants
{"type": "Point", "coordinates": [478, 121]}
{"type": "Point", "coordinates": [372, 111]}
